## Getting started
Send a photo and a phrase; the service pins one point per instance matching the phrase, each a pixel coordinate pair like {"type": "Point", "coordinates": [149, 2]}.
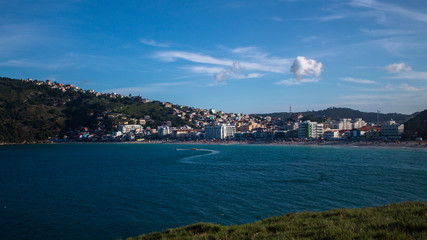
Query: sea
{"type": "Point", "coordinates": [114, 191]}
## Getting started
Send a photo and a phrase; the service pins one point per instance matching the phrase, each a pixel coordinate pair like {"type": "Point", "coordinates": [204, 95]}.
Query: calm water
{"type": "Point", "coordinates": [109, 191]}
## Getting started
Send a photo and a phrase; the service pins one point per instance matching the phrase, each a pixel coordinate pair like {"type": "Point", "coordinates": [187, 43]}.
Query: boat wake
{"type": "Point", "coordinates": [191, 159]}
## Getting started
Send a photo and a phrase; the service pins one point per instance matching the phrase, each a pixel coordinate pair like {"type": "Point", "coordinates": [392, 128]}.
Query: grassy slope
{"type": "Point", "coordinates": [406, 220]}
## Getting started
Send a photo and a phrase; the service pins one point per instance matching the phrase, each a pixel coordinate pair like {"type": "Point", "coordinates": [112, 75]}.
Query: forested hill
{"type": "Point", "coordinates": [337, 113]}
{"type": "Point", "coordinates": [417, 126]}
{"type": "Point", "coordinates": [31, 112]}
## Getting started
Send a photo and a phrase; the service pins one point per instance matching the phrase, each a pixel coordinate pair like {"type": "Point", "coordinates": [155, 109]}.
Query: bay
{"type": "Point", "coordinates": [110, 191]}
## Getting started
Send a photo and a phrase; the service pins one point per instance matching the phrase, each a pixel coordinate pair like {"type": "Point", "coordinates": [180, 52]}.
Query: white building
{"type": "Point", "coordinates": [222, 131]}
{"type": "Point", "coordinates": [129, 128]}
{"type": "Point", "coordinates": [164, 130]}
{"type": "Point", "coordinates": [358, 123]}
{"type": "Point", "coordinates": [310, 129]}
{"type": "Point", "coordinates": [347, 124]}
{"type": "Point", "coordinates": [329, 135]}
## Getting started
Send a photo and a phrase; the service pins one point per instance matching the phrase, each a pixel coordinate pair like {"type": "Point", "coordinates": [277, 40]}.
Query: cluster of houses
{"type": "Point", "coordinates": [209, 124]}
{"type": "Point", "coordinates": [240, 127]}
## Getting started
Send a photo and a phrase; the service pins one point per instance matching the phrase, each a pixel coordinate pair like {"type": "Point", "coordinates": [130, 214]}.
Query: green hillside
{"type": "Point", "coordinates": [31, 112]}
{"type": "Point", "coordinates": [337, 113]}
{"type": "Point", "coordinates": [395, 221]}
{"type": "Point", "coordinates": [417, 126]}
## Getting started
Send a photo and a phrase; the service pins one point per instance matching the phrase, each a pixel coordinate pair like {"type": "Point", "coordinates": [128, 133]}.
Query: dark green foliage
{"type": "Point", "coordinates": [417, 126]}
{"type": "Point", "coordinates": [337, 113]}
{"type": "Point", "coordinates": [30, 112]}
{"type": "Point", "coordinates": [395, 221]}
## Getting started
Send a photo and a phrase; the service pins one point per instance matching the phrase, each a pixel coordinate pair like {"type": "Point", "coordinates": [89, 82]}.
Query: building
{"type": "Point", "coordinates": [129, 128]}
{"type": "Point", "coordinates": [330, 135]}
{"type": "Point", "coordinates": [310, 129]}
{"type": "Point", "coordinates": [392, 130]}
{"type": "Point", "coordinates": [164, 131]}
{"type": "Point", "coordinates": [222, 131]}
{"type": "Point", "coordinates": [358, 123]}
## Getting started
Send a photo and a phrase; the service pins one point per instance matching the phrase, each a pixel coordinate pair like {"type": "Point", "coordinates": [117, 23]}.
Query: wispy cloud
{"type": "Point", "coordinates": [310, 38]}
{"type": "Point", "coordinates": [150, 88]}
{"type": "Point", "coordinates": [290, 82]}
{"type": "Point", "coordinates": [357, 80]}
{"type": "Point", "coordinates": [170, 56]}
{"type": "Point", "coordinates": [411, 75]}
{"type": "Point", "coordinates": [21, 63]}
{"type": "Point", "coordinates": [153, 43]}
{"type": "Point", "coordinates": [397, 67]}
{"type": "Point", "coordinates": [322, 18]}
{"type": "Point", "coordinates": [273, 65]}
{"type": "Point", "coordinates": [392, 9]}
{"type": "Point", "coordinates": [386, 32]}
{"type": "Point", "coordinates": [203, 69]}
{"type": "Point", "coordinates": [276, 19]}
{"type": "Point", "coordinates": [406, 87]}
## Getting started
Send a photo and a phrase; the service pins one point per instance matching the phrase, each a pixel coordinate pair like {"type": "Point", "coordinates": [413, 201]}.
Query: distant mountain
{"type": "Point", "coordinates": [337, 113]}
{"type": "Point", "coordinates": [32, 111]}
{"type": "Point", "coordinates": [417, 126]}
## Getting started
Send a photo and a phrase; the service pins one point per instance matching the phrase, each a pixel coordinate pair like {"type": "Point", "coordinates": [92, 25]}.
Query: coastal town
{"type": "Point", "coordinates": [210, 125]}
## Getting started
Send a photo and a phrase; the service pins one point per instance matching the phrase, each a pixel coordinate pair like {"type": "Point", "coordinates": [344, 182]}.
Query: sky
{"type": "Point", "coordinates": [237, 56]}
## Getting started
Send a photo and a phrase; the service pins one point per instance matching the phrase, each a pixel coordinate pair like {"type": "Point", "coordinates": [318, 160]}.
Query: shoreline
{"type": "Point", "coordinates": [401, 145]}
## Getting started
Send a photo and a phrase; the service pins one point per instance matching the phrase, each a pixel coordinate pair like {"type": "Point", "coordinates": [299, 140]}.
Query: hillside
{"type": "Point", "coordinates": [417, 126]}
{"type": "Point", "coordinates": [395, 221]}
{"type": "Point", "coordinates": [337, 113]}
{"type": "Point", "coordinates": [31, 112]}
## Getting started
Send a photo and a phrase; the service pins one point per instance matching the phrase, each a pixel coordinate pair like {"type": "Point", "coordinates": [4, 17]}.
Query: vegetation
{"type": "Point", "coordinates": [337, 113]}
{"type": "Point", "coordinates": [31, 112]}
{"type": "Point", "coordinates": [395, 221]}
{"type": "Point", "coordinates": [417, 126]}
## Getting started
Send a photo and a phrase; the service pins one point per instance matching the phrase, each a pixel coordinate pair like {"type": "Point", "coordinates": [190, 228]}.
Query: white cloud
{"type": "Point", "coordinates": [308, 39]}
{"type": "Point", "coordinates": [322, 18]}
{"type": "Point", "coordinates": [411, 75]}
{"type": "Point", "coordinates": [290, 82]}
{"type": "Point", "coordinates": [227, 72]}
{"type": "Point", "coordinates": [397, 67]}
{"type": "Point", "coordinates": [260, 63]}
{"type": "Point", "coordinates": [392, 9]}
{"type": "Point", "coordinates": [276, 19]}
{"type": "Point", "coordinates": [170, 56]}
{"type": "Point", "coordinates": [406, 87]}
{"type": "Point", "coordinates": [150, 88]}
{"type": "Point", "coordinates": [203, 69]}
{"type": "Point", "coordinates": [357, 80]}
{"type": "Point", "coordinates": [386, 32]}
{"type": "Point", "coordinates": [244, 50]}
{"type": "Point", "coordinates": [306, 67]}
{"type": "Point", "coordinates": [28, 63]}
{"type": "Point", "coordinates": [153, 43]}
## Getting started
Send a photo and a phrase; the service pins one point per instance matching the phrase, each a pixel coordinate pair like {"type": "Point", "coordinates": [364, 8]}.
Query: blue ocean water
{"type": "Point", "coordinates": [110, 191]}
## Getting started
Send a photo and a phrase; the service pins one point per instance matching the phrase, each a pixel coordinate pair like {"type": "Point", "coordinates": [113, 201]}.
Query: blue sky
{"type": "Point", "coordinates": [235, 56]}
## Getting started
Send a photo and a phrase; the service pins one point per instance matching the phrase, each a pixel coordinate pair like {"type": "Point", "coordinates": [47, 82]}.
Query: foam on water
{"type": "Point", "coordinates": [192, 158]}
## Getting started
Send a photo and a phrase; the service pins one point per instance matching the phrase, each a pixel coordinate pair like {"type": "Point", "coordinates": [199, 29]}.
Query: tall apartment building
{"type": "Point", "coordinates": [222, 131]}
{"type": "Point", "coordinates": [310, 129]}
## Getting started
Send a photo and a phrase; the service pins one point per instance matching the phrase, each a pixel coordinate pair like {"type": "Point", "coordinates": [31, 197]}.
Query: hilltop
{"type": "Point", "coordinates": [394, 221]}
{"type": "Point", "coordinates": [337, 113]}
{"type": "Point", "coordinates": [32, 111]}
{"type": "Point", "coordinates": [417, 126]}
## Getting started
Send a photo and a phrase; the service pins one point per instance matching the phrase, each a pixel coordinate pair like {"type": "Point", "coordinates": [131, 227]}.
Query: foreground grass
{"type": "Point", "coordinates": [406, 220]}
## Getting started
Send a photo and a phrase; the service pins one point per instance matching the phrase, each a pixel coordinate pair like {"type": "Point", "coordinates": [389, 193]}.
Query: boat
{"type": "Point", "coordinates": [194, 149]}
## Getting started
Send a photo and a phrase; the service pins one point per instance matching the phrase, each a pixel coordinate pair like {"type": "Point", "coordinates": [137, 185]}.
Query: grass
{"type": "Point", "coordinates": [406, 220]}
